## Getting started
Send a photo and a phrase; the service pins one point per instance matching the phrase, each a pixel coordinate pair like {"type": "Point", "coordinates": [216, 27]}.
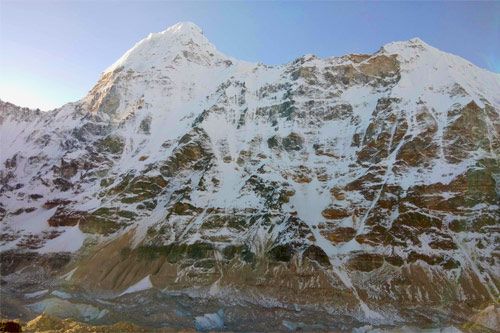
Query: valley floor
{"type": "Point", "coordinates": [155, 311]}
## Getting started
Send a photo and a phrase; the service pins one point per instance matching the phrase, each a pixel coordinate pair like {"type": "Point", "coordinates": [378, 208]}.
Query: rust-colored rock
{"type": "Point", "coordinates": [365, 262]}
{"type": "Point", "coordinates": [10, 326]}
{"type": "Point", "coordinates": [467, 133]}
{"type": "Point", "coordinates": [336, 213]}
{"type": "Point", "coordinates": [66, 218]}
{"type": "Point", "coordinates": [340, 234]}
{"type": "Point", "coordinates": [317, 254]}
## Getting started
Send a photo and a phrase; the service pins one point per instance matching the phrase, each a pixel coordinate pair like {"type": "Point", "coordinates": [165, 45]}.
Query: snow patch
{"type": "Point", "coordinates": [71, 240]}
{"type": "Point", "coordinates": [210, 321]}
{"type": "Point", "coordinates": [144, 284]}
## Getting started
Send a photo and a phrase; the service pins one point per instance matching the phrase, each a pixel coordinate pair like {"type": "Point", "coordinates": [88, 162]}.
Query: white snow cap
{"type": "Point", "coordinates": [413, 44]}
{"type": "Point", "coordinates": [417, 40]}
{"type": "Point", "coordinates": [160, 48]}
{"type": "Point", "coordinates": [185, 27]}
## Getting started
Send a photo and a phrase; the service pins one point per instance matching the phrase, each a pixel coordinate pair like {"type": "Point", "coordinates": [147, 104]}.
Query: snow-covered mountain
{"type": "Point", "coordinates": [365, 185]}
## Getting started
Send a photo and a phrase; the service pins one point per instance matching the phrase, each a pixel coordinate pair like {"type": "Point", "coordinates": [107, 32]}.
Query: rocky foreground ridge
{"type": "Point", "coordinates": [362, 188]}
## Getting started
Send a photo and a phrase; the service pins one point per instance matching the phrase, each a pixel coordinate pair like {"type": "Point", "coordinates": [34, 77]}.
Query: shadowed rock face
{"type": "Point", "coordinates": [468, 132]}
{"type": "Point", "coordinates": [358, 186]}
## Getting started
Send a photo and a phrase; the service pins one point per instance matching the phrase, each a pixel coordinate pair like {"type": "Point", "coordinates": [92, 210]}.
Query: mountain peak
{"type": "Point", "coordinates": [185, 27]}
{"type": "Point", "coordinates": [160, 48]}
{"type": "Point", "coordinates": [416, 40]}
{"type": "Point", "coordinates": [412, 44]}
{"type": "Point", "coordinates": [411, 48]}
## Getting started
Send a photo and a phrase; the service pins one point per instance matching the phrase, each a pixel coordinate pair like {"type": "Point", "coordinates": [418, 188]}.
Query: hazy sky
{"type": "Point", "coordinates": [53, 52]}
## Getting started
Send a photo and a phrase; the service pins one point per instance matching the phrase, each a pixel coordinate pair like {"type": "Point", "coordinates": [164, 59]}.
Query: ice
{"type": "Point", "coordinates": [210, 321]}
{"type": "Point", "coordinates": [64, 309]}
{"type": "Point", "coordinates": [143, 284]}
{"type": "Point", "coordinates": [36, 294]}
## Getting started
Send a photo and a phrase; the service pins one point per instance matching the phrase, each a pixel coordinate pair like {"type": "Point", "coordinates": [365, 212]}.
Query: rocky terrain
{"type": "Point", "coordinates": [190, 189]}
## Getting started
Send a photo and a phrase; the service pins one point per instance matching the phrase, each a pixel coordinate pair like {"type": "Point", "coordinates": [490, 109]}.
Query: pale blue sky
{"type": "Point", "coordinates": [52, 52]}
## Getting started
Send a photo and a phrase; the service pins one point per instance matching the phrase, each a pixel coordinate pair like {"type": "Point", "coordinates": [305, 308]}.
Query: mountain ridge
{"type": "Point", "coordinates": [355, 181]}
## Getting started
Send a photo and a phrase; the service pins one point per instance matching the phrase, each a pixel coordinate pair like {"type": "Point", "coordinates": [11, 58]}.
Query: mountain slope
{"type": "Point", "coordinates": [366, 185]}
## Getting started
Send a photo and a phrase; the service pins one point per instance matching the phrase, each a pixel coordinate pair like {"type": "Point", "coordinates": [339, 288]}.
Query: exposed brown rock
{"type": "Point", "coordinates": [443, 244]}
{"type": "Point", "coordinates": [183, 208]}
{"type": "Point", "coordinates": [306, 73]}
{"type": "Point", "coordinates": [193, 152]}
{"type": "Point", "coordinates": [47, 323]}
{"type": "Point", "coordinates": [337, 193]}
{"type": "Point", "coordinates": [302, 174]}
{"type": "Point", "coordinates": [11, 163]}
{"type": "Point", "coordinates": [467, 133]}
{"type": "Point", "coordinates": [394, 260]}
{"type": "Point", "coordinates": [365, 262]}
{"type": "Point", "coordinates": [418, 220]}
{"type": "Point", "coordinates": [12, 261]}
{"type": "Point", "coordinates": [377, 70]}
{"type": "Point", "coordinates": [105, 97]}
{"type": "Point", "coordinates": [111, 144]}
{"type": "Point", "coordinates": [340, 234]}
{"type": "Point", "coordinates": [381, 66]}
{"type": "Point", "coordinates": [323, 150]}
{"type": "Point", "coordinates": [62, 184]}
{"type": "Point", "coordinates": [317, 254]}
{"type": "Point", "coordinates": [10, 326]}
{"type": "Point", "coordinates": [378, 235]}
{"type": "Point", "coordinates": [68, 169]}
{"type": "Point", "coordinates": [429, 259]}
{"type": "Point", "coordinates": [338, 112]}
{"type": "Point", "coordinates": [66, 218]}
{"type": "Point", "coordinates": [293, 142]}
{"type": "Point", "coordinates": [335, 213]}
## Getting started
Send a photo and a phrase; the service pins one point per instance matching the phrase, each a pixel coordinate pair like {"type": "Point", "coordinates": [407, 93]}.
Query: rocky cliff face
{"type": "Point", "coordinates": [366, 186]}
